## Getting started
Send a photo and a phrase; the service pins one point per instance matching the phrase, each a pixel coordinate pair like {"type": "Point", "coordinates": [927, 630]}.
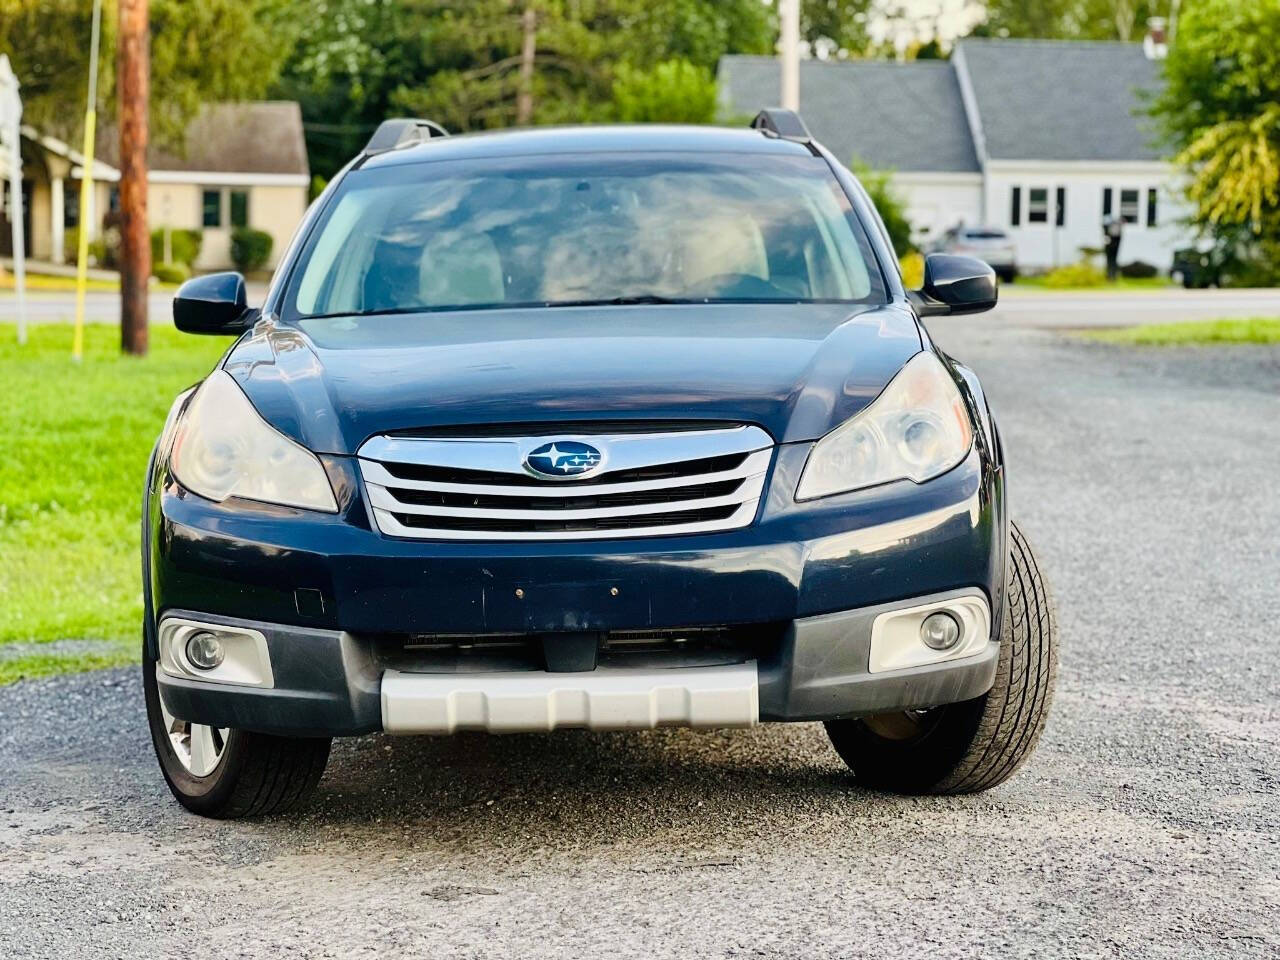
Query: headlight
{"type": "Point", "coordinates": [916, 429]}
{"type": "Point", "coordinates": [224, 449]}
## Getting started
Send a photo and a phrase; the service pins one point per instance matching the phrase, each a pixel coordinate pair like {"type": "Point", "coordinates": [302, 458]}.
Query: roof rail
{"type": "Point", "coordinates": [785, 124]}
{"type": "Point", "coordinates": [402, 132]}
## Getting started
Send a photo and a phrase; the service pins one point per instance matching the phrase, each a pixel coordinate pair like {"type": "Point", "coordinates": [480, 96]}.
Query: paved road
{"type": "Point", "coordinates": [1147, 825]}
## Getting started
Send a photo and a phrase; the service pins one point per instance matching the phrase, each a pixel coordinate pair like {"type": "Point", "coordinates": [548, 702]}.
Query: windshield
{"type": "Point", "coordinates": [606, 228]}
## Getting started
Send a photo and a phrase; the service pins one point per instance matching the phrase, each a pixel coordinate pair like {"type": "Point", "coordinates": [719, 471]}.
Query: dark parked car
{"type": "Point", "coordinates": [604, 428]}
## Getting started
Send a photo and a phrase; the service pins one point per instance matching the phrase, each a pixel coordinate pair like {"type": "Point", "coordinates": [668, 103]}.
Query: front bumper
{"type": "Point", "coordinates": [327, 683]}
{"type": "Point", "coordinates": [322, 590]}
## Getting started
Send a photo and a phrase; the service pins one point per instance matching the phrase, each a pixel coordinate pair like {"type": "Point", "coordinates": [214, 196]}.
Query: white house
{"type": "Point", "coordinates": [243, 164]}
{"type": "Point", "coordinates": [1043, 138]}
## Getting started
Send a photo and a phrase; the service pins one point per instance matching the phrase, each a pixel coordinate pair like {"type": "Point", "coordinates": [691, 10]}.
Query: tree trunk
{"type": "Point", "coordinates": [529, 50]}
{"type": "Point", "coordinates": [135, 239]}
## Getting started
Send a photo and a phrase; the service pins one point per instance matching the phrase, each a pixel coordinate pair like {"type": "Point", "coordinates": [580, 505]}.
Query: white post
{"type": "Point", "coordinates": [789, 15]}
{"type": "Point", "coordinates": [57, 215]}
{"type": "Point", "coordinates": [11, 134]}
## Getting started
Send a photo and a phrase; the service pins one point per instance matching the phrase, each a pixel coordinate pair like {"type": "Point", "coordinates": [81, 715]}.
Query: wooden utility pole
{"type": "Point", "coordinates": [528, 50]}
{"type": "Point", "coordinates": [135, 239]}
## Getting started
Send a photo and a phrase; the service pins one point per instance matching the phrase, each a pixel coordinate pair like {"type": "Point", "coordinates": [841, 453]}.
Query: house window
{"type": "Point", "coordinates": [1038, 205]}
{"type": "Point", "coordinates": [1129, 206]}
{"type": "Point", "coordinates": [1060, 208]}
{"type": "Point", "coordinates": [71, 204]}
{"type": "Point", "coordinates": [211, 208]}
{"type": "Point", "coordinates": [1015, 208]}
{"type": "Point", "coordinates": [1151, 207]}
{"type": "Point", "coordinates": [239, 208]}
{"type": "Point", "coordinates": [1106, 202]}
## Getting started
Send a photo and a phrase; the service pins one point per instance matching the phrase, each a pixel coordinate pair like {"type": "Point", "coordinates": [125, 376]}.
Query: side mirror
{"type": "Point", "coordinates": [955, 285]}
{"type": "Point", "coordinates": [215, 303]}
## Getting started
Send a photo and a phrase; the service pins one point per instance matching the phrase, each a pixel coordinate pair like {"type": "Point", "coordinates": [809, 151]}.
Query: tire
{"type": "Point", "coordinates": [254, 775]}
{"type": "Point", "coordinates": [974, 745]}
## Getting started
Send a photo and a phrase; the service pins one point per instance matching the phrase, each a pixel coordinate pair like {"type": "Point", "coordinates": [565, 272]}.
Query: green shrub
{"type": "Point", "coordinates": [250, 249]}
{"type": "Point", "coordinates": [170, 272]}
{"type": "Point", "coordinates": [674, 91]}
{"type": "Point", "coordinates": [1139, 270]}
{"type": "Point", "coordinates": [184, 246]}
{"type": "Point", "coordinates": [1083, 274]}
{"type": "Point", "coordinates": [890, 205]}
{"type": "Point", "coordinates": [105, 251]}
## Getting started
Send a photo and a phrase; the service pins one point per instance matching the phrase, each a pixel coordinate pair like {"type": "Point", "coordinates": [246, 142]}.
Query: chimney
{"type": "Point", "coordinates": [1156, 43]}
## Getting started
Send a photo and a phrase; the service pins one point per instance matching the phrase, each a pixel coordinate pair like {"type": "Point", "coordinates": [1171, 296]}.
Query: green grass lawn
{"type": "Point", "coordinates": [76, 441]}
{"type": "Point", "coordinates": [1124, 284]}
{"type": "Point", "coordinates": [1242, 330]}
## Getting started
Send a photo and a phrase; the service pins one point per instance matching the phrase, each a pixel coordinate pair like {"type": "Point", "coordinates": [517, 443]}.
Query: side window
{"type": "Point", "coordinates": [1038, 205]}
{"type": "Point", "coordinates": [239, 208]}
{"type": "Point", "coordinates": [1015, 207]}
{"type": "Point", "coordinates": [211, 208]}
{"type": "Point", "coordinates": [1129, 206]}
{"type": "Point", "coordinates": [1060, 208]}
{"type": "Point", "coordinates": [1151, 207]}
{"type": "Point", "coordinates": [1106, 202]}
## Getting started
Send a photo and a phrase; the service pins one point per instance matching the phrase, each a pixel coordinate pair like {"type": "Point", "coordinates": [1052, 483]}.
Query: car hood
{"type": "Point", "coordinates": [794, 369]}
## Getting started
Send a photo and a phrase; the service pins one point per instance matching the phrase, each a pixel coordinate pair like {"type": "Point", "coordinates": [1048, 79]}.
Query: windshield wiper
{"type": "Point", "coordinates": [628, 300]}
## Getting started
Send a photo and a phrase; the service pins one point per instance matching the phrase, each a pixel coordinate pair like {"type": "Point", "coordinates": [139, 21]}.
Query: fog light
{"type": "Point", "coordinates": [940, 630]}
{"type": "Point", "coordinates": [204, 651]}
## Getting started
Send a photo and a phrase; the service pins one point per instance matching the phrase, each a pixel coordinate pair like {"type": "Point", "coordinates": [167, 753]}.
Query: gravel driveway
{"type": "Point", "coordinates": [1147, 825]}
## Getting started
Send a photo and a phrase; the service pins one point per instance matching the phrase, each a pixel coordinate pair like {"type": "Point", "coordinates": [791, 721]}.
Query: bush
{"type": "Point", "coordinates": [889, 204]}
{"type": "Point", "coordinates": [184, 246]}
{"type": "Point", "coordinates": [250, 249]}
{"type": "Point", "coordinates": [674, 91]}
{"type": "Point", "coordinates": [912, 266]}
{"type": "Point", "coordinates": [1139, 270]}
{"type": "Point", "coordinates": [1082, 274]}
{"type": "Point", "coordinates": [170, 272]}
{"type": "Point", "coordinates": [105, 251]}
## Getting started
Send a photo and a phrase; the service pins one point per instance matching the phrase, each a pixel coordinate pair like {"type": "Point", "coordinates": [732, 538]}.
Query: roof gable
{"type": "Point", "coordinates": [256, 137]}
{"type": "Point", "coordinates": [1061, 99]}
{"type": "Point", "coordinates": [899, 116]}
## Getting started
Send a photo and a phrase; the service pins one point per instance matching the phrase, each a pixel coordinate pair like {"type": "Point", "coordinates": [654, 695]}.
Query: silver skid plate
{"type": "Point", "coordinates": [602, 699]}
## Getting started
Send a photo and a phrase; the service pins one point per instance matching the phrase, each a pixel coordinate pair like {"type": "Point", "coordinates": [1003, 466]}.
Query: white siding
{"type": "Point", "coordinates": [1045, 245]}
{"type": "Point", "coordinates": [938, 201]}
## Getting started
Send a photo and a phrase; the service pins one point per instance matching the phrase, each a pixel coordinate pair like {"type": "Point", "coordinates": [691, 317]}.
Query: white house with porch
{"type": "Point", "coordinates": [243, 164]}
{"type": "Point", "coordinates": [1042, 138]}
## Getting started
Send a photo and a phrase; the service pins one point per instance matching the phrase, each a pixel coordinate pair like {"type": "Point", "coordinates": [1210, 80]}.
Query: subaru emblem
{"type": "Point", "coordinates": [562, 459]}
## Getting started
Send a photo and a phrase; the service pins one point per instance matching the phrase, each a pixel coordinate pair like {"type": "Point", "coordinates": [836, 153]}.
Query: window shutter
{"type": "Point", "coordinates": [1151, 207]}
{"type": "Point", "coordinates": [1106, 201]}
{"type": "Point", "coordinates": [1015, 211]}
{"type": "Point", "coordinates": [1060, 211]}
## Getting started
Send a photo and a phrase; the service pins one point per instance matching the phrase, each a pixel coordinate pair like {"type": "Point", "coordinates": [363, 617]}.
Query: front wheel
{"type": "Point", "coordinates": [975, 745]}
{"type": "Point", "coordinates": [227, 774]}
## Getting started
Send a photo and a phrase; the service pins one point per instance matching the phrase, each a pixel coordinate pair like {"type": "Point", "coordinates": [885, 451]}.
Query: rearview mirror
{"type": "Point", "coordinates": [954, 285]}
{"type": "Point", "coordinates": [214, 303]}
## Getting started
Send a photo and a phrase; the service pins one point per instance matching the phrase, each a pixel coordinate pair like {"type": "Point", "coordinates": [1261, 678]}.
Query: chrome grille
{"type": "Point", "coordinates": [649, 484]}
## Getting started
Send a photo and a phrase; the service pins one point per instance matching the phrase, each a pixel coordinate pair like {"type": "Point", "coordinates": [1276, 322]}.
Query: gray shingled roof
{"type": "Point", "coordinates": [1062, 99]}
{"type": "Point", "coordinates": [256, 137]}
{"type": "Point", "coordinates": [899, 116]}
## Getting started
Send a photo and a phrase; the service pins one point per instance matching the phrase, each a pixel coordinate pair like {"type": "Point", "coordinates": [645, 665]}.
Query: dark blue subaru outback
{"type": "Point", "coordinates": [605, 427]}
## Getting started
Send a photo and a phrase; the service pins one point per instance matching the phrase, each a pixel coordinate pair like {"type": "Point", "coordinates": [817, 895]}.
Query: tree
{"type": "Point", "coordinates": [835, 27]}
{"type": "Point", "coordinates": [200, 51]}
{"type": "Point", "coordinates": [674, 91]}
{"type": "Point", "coordinates": [1220, 109]}
{"type": "Point", "coordinates": [460, 61]}
{"type": "Point", "coordinates": [1073, 19]}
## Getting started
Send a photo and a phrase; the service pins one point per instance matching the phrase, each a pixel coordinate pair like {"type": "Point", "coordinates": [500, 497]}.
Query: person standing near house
{"type": "Point", "coordinates": [1112, 228]}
